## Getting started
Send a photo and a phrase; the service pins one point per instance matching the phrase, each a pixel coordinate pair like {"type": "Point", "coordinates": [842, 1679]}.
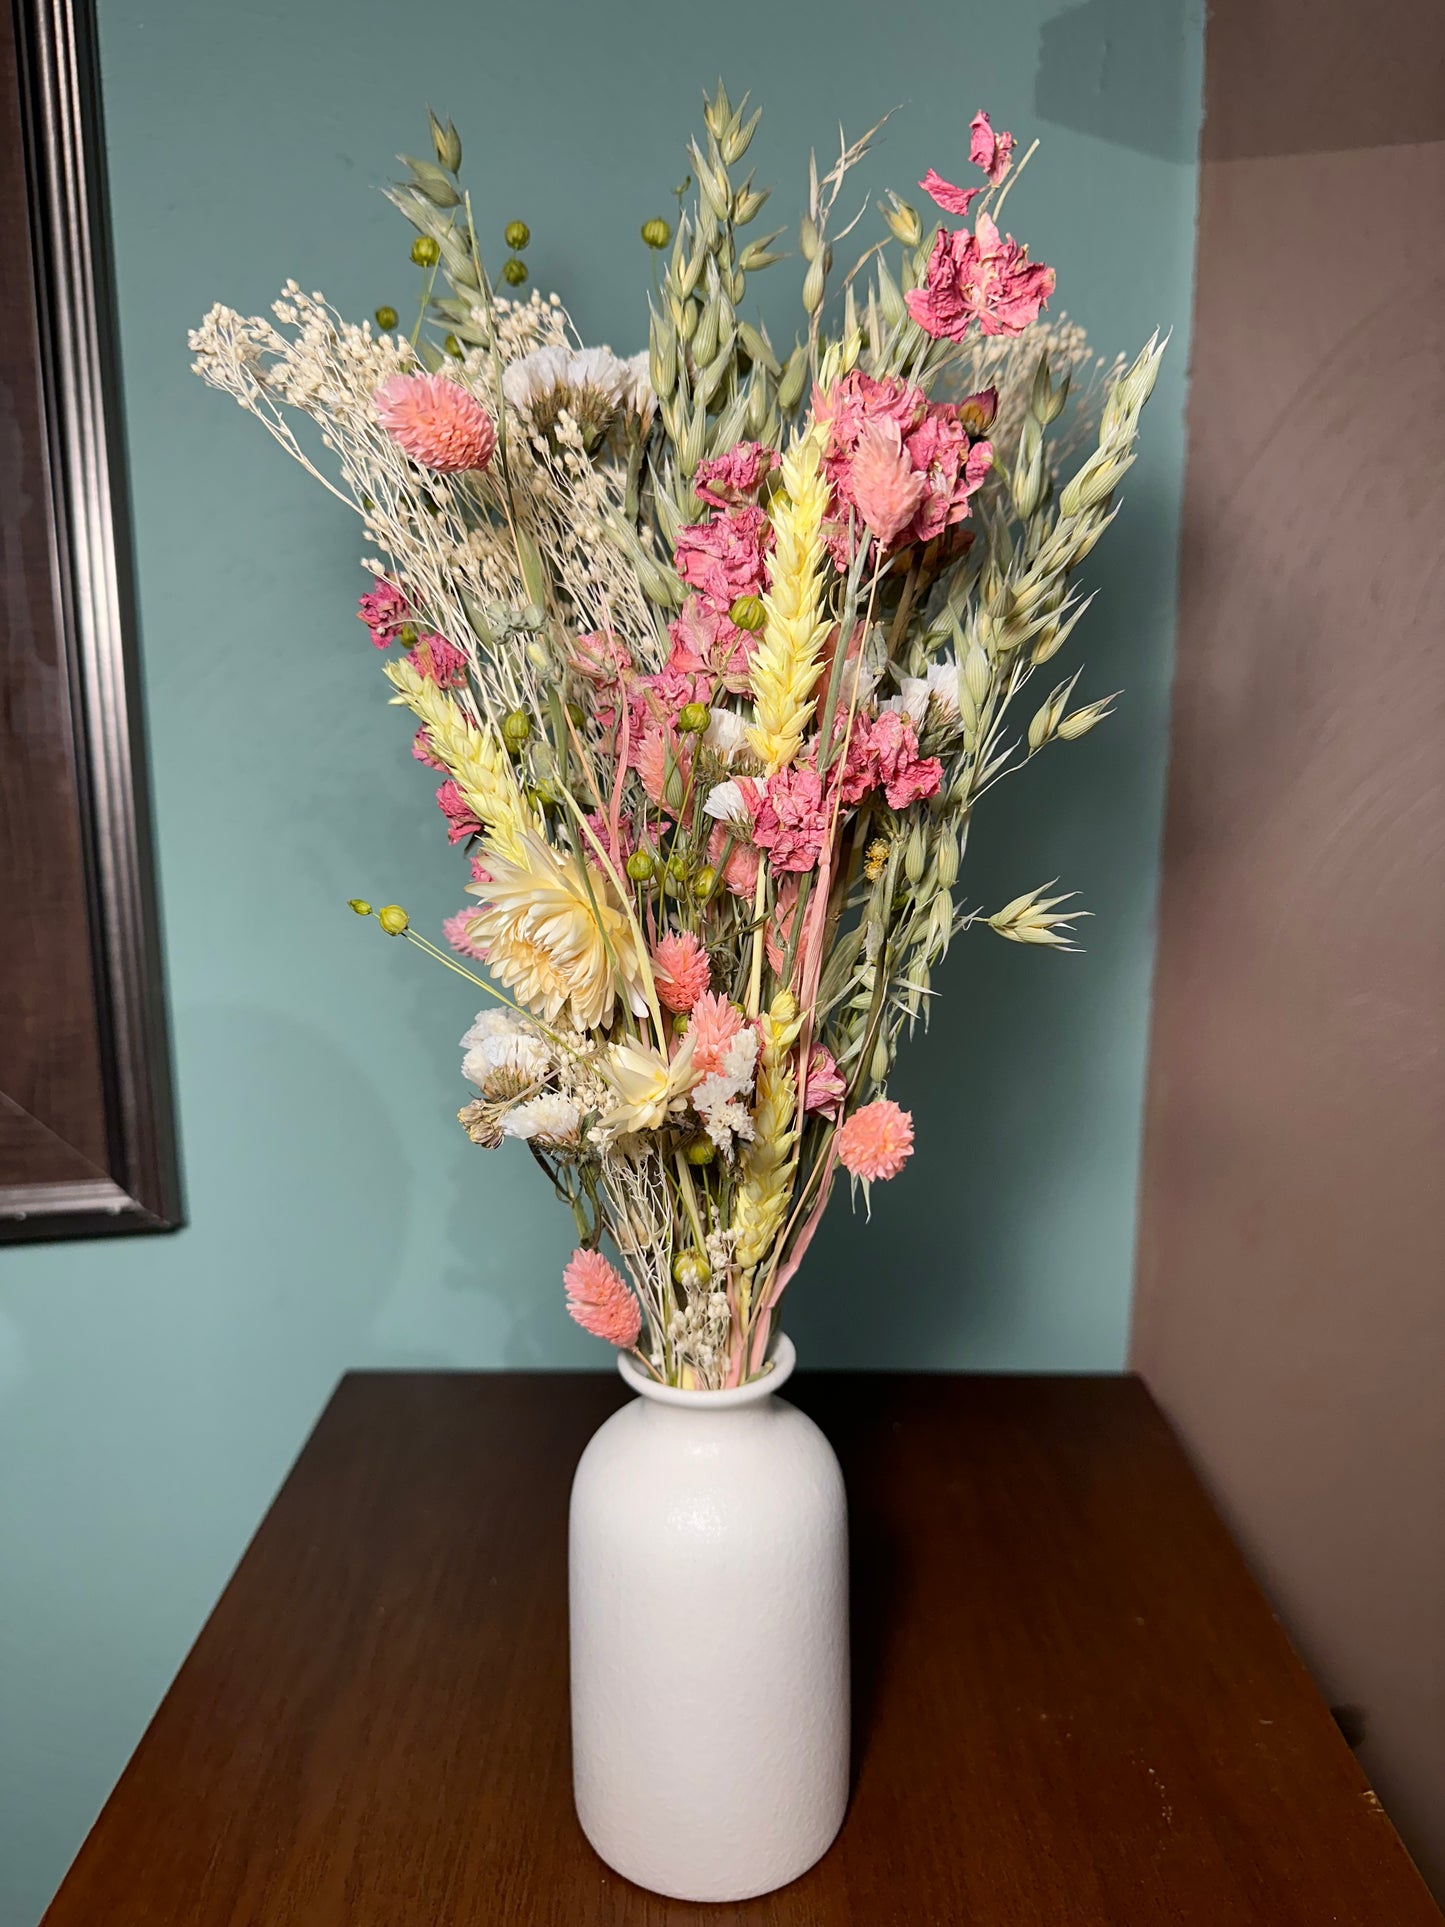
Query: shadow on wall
{"type": "Point", "coordinates": [1121, 71]}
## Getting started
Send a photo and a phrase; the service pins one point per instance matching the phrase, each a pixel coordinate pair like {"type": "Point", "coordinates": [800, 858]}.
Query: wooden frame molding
{"type": "Point", "coordinates": [86, 1135]}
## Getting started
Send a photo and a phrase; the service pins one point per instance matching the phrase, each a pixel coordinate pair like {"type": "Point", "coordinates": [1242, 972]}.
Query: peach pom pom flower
{"type": "Point", "coordinates": [437, 422]}
{"type": "Point", "coordinates": [599, 1300]}
{"type": "Point", "coordinates": [877, 1141]}
{"type": "Point", "coordinates": [680, 970]}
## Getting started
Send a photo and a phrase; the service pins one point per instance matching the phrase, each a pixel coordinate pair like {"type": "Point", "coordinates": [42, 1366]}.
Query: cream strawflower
{"type": "Point", "coordinates": [554, 934]}
{"type": "Point", "coordinates": [648, 1088]}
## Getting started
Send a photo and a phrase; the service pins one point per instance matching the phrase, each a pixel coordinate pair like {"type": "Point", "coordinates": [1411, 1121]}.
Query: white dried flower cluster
{"type": "Point", "coordinates": [719, 1098]}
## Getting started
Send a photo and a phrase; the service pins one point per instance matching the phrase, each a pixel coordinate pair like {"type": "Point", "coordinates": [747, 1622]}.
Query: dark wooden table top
{"type": "Point", "coordinates": [1073, 1707]}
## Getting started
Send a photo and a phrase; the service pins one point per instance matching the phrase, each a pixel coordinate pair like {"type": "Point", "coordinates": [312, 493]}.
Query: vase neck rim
{"type": "Point", "coordinates": [774, 1376]}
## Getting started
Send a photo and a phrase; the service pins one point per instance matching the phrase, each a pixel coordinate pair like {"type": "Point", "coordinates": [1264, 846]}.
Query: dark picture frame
{"type": "Point", "coordinates": [87, 1141]}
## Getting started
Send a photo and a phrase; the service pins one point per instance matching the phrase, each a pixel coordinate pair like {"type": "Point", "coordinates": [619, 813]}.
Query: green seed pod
{"type": "Point", "coordinates": [915, 855]}
{"type": "Point", "coordinates": [360, 906]}
{"type": "Point", "coordinates": [386, 319]}
{"type": "Point", "coordinates": [748, 613]}
{"type": "Point", "coordinates": [656, 232]}
{"type": "Point", "coordinates": [515, 730]}
{"type": "Point", "coordinates": [700, 1152]}
{"type": "Point", "coordinates": [393, 919]}
{"type": "Point", "coordinates": [795, 374]}
{"type": "Point", "coordinates": [691, 1270]}
{"type": "Point", "coordinates": [576, 715]}
{"type": "Point", "coordinates": [674, 791]}
{"type": "Point", "coordinates": [514, 272]}
{"type": "Point", "coordinates": [694, 718]}
{"type": "Point", "coordinates": [641, 867]}
{"type": "Point", "coordinates": [425, 252]}
{"type": "Point", "coordinates": [704, 884]}
{"type": "Point", "coordinates": [453, 347]}
{"type": "Point", "coordinates": [516, 234]}
{"type": "Point", "coordinates": [406, 635]}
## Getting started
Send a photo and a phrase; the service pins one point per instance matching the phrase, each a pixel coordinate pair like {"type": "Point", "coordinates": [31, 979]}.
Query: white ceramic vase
{"type": "Point", "coordinates": [709, 1606]}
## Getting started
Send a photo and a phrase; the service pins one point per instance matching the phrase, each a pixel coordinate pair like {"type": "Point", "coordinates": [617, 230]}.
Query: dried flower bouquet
{"type": "Point", "coordinates": [714, 652]}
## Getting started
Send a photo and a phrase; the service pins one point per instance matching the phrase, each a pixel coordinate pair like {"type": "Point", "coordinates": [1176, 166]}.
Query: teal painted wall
{"type": "Point", "coordinates": [153, 1392]}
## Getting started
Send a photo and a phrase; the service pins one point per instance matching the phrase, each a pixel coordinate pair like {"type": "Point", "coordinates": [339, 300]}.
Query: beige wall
{"type": "Point", "coordinates": [1290, 1304]}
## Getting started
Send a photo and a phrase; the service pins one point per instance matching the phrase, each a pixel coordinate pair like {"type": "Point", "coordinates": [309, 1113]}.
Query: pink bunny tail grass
{"type": "Point", "coordinates": [437, 422]}
{"type": "Point", "coordinates": [599, 1301]}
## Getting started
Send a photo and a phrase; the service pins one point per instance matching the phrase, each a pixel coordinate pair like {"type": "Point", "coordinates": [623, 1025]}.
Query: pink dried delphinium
{"type": "Point", "coordinates": [461, 822]}
{"type": "Point", "coordinates": [436, 421]}
{"type": "Point", "coordinates": [707, 642]}
{"type": "Point", "coordinates": [725, 558]}
{"type": "Point", "coordinates": [421, 749]}
{"type": "Point", "coordinates": [824, 1087]}
{"type": "Point", "coordinates": [891, 450]}
{"type": "Point", "coordinates": [981, 277]}
{"type": "Point", "coordinates": [953, 200]}
{"type": "Point", "coordinates": [877, 1141]}
{"type": "Point", "coordinates": [988, 150]}
{"type": "Point", "coordinates": [599, 1301]}
{"type": "Point", "coordinates": [883, 754]}
{"type": "Point", "coordinates": [791, 819]}
{"type": "Point", "coordinates": [906, 776]}
{"type": "Point", "coordinates": [733, 478]}
{"type": "Point", "coordinates": [680, 970]}
{"type": "Point", "coordinates": [715, 1023]}
{"type": "Point", "coordinates": [440, 661]}
{"type": "Point", "coordinates": [384, 609]}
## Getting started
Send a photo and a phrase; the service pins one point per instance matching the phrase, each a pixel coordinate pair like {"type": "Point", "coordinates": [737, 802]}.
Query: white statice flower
{"type": "Point", "coordinates": [637, 395]}
{"type": "Point", "coordinates": [551, 1122]}
{"type": "Point", "coordinates": [727, 803]}
{"type": "Point", "coordinates": [555, 387]}
{"type": "Point", "coordinates": [939, 686]}
{"type": "Point", "coordinates": [727, 735]}
{"type": "Point", "coordinates": [717, 1098]}
{"type": "Point", "coordinates": [505, 1054]}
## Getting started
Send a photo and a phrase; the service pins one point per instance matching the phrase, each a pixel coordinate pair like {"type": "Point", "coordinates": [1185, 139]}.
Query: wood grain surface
{"type": "Point", "coordinates": [1073, 1706]}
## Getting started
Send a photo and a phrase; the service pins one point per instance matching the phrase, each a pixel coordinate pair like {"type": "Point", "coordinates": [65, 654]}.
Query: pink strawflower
{"type": "Point", "coordinates": [882, 482]}
{"type": "Point", "coordinates": [724, 558]}
{"type": "Point", "coordinates": [599, 1301]}
{"type": "Point", "coordinates": [461, 823]}
{"type": "Point", "coordinates": [791, 819]}
{"type": "Point", "coordinates": [383, 609]}
{"type": "Point", "coordinates": [877, 1141]}
{"type": "Point", "coordinates": [421, 749]}
{"type": "Point", "coordinates": [437, 422]}
{"type": "Point", "coordinates": [953, 200]}
{"type": "Point", "coordinates": [825, 1087]}
{"type": "Point", "coordinates": [729, 480]}
{"type": "Point", "coordinates": [440, 661]}
{"type": "Point", "coordinates": [988, 150]}
{"type": "Point", "coordinates": [714, 1024]}
{"type": "Point", "coordinates": [680, 970]}
{"type": "Point", "coordinates": [979, 277]}
{"type": "Point", "coordinates": [457, 931]}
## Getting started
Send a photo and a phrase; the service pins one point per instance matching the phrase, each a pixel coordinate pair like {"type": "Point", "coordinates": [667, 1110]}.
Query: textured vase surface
{"type": "Point", "coordinates": [709, 1613]}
